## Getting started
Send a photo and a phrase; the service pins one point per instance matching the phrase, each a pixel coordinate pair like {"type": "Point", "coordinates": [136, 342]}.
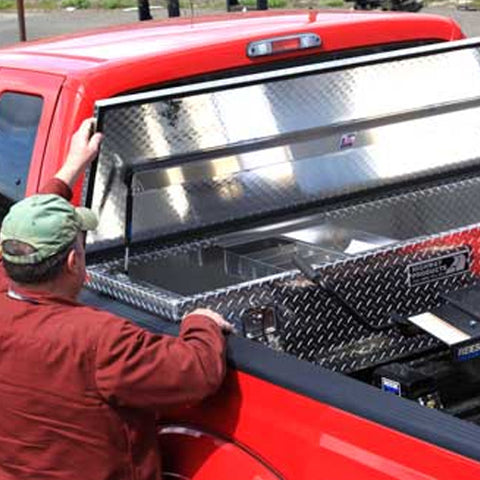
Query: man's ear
{"type": "Point", "coordinates": [72, 261]}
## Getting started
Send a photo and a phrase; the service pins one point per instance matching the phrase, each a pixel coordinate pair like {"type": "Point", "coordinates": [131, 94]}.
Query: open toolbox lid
{"type": "Point", "coordinates": [181, 159]}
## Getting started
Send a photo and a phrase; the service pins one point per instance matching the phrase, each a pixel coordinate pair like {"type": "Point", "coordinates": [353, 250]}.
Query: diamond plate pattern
{"type": "Point", "coordinates": [422, 212]}
{"type": "Point", "coordinates": [205, 121]}
{"type": "Point", "coordinates": [302, 123]}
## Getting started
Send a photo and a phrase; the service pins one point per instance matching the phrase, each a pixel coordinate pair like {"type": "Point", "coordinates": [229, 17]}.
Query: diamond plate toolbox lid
{"type": "Point", "coordinates": [220, 153]}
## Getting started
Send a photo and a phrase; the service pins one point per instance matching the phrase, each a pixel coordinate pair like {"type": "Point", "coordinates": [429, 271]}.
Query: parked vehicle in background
{"type": "Point", "coordinates": [312, 176]}
{"type": "Point", "coordinates": [393, 5]}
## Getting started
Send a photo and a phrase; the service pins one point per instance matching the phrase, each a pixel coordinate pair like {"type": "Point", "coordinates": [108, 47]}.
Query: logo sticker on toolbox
{"type": "Point", "coordinates": [347, 140]}
{"type": "Point", "coordinates": [391, 386]}
{"type": "Point", "coordinates": [438, 268]}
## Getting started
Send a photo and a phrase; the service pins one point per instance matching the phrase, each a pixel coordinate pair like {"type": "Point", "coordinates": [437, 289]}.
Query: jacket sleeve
{"type": "Point", "coordinates": [58, 187]}
{"type": "Point", "coordinates": [135, 368]}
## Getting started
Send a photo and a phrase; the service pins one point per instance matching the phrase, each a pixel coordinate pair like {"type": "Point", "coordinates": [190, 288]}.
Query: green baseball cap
{"type": "Point", "coordinates": [44, 225]}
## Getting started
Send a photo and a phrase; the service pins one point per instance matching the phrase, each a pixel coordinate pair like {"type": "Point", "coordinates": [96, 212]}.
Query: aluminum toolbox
{"type": "Point", "coordinates": [366, 168]}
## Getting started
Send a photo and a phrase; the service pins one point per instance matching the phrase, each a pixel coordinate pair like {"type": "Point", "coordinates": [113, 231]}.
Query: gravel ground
{"type": "Point", "coordinates": [43, 24]}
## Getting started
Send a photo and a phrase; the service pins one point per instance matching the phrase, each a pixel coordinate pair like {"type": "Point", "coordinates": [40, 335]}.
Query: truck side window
{"type": "Point", "coordinates": [19, 118]}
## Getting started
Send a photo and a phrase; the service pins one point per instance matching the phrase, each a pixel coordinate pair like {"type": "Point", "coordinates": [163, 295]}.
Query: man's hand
{"type": "Point", "coordinates": [84, 148]}
{"type": "Point", "coordinates": [226, 327]}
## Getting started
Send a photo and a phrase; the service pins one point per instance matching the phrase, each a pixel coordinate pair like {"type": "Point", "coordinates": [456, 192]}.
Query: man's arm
{"type": "Point", "coordinates": [84, 148]}
{"type": "Point", "coordinates": [135, 368]}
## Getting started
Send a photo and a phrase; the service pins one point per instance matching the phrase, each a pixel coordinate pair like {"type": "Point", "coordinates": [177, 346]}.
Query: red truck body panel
{"type": "Point", "coordinates": [88, 54]}
{"type": "Point", "coordinates": [252, 429]}
{"type": "Point", "coordinates": [303, 439]}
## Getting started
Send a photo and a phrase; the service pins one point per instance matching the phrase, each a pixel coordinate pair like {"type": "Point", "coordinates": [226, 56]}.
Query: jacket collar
{"type": "Point", "coordinates": [36, 297]}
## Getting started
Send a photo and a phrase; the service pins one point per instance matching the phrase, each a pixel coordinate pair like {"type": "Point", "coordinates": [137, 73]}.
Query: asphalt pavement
{"type": "Point", "coordinates": [468, 20]}
{"type": "Point", "coordinates": [40, 24]}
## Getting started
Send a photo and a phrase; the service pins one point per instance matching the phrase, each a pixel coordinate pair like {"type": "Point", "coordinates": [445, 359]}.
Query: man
{"type": "Point", "coordinates": [80, 388]}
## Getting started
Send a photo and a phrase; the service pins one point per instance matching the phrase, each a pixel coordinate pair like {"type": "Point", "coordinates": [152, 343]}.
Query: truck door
{"type": "Point", "coordinates": [27, 103]}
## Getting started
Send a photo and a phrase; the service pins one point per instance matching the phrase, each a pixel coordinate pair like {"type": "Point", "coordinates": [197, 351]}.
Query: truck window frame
{"type": "Point", "coordinates": [19, 124]}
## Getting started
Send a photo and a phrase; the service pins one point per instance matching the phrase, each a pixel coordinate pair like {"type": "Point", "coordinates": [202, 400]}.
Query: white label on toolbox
{"type": "Point", "coordinates": [437, 268]}
{"type": "Point", "coordinates": [439, 328]}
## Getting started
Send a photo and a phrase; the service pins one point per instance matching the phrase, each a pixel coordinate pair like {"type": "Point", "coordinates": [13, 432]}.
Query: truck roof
{"type": "Point", "coordinates": [212, 43]}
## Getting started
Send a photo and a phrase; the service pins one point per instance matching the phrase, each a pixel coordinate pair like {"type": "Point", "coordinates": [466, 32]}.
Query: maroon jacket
{"type": "Point", "coordinates": [80, 388]}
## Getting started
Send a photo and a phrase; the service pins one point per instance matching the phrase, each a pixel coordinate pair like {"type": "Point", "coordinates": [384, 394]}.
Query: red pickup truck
{"type": "Point", "coordinates": [311, 175]}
